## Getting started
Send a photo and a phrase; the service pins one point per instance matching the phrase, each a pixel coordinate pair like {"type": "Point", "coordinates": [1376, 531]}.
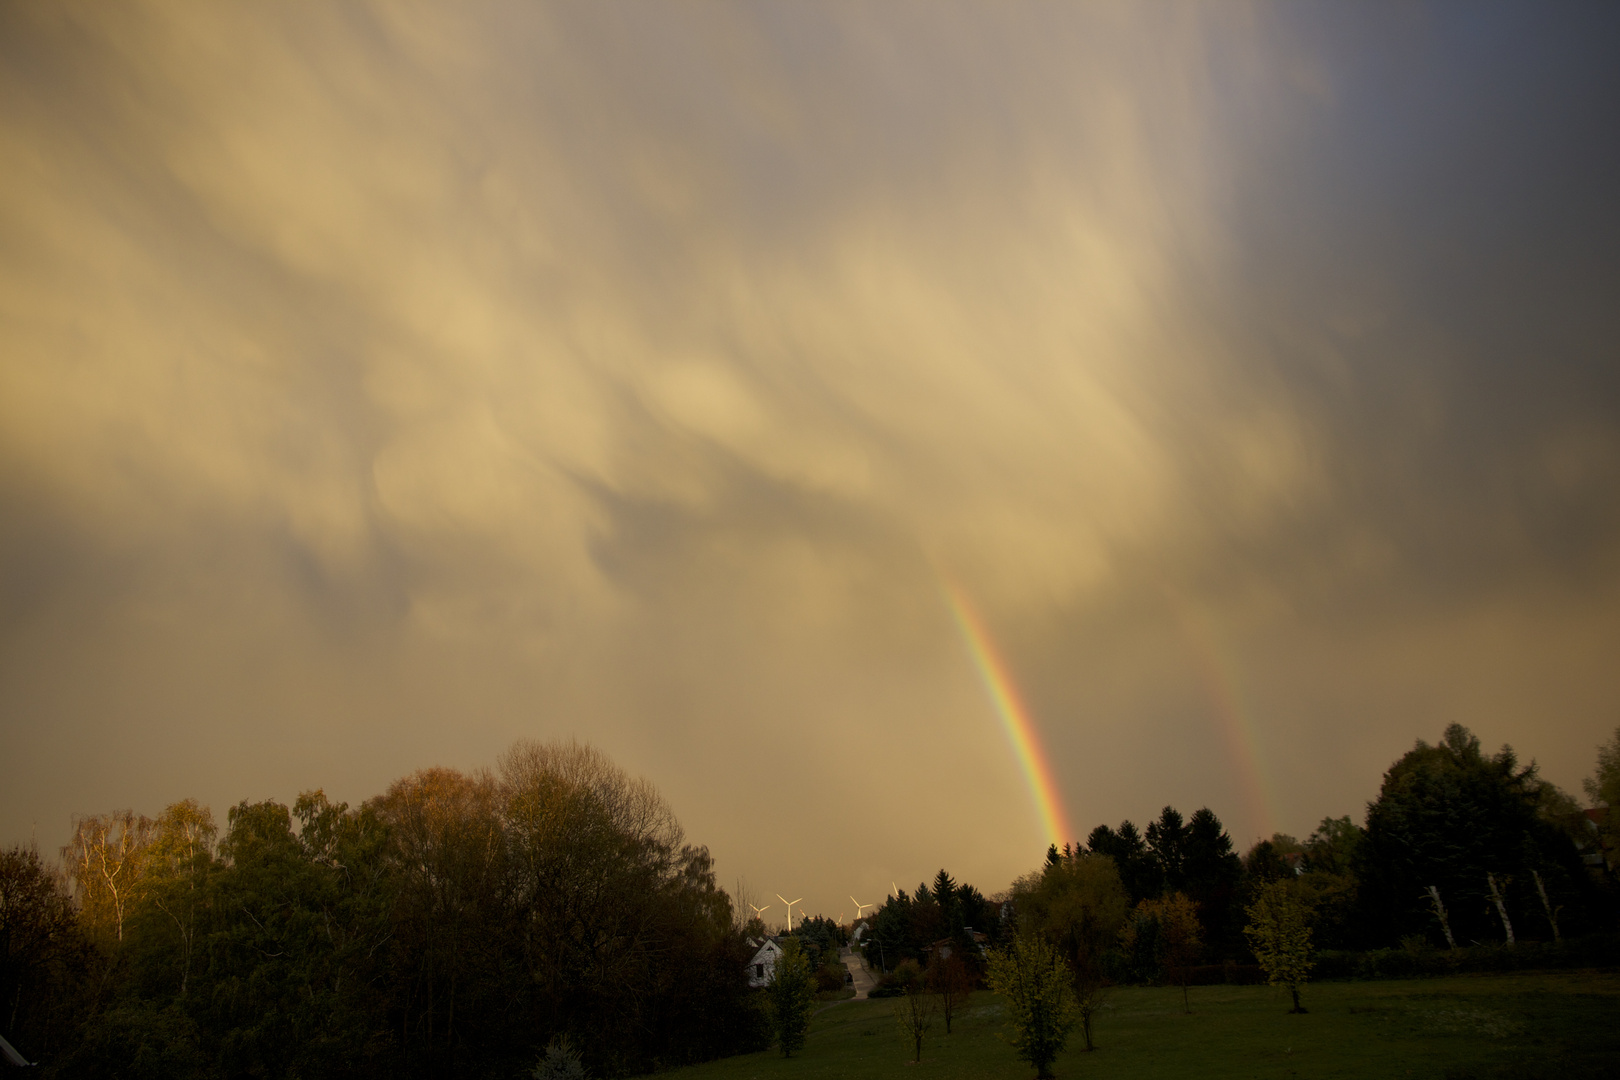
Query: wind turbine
{"type": "Point", "coordinates": [757, 910]}
{"type": "Point", "coordinates": [859, 907]}
{"type": "Point", "coordinates": [789, 904]}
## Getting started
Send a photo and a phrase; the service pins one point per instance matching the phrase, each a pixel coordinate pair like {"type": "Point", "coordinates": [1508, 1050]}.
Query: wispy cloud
{"type": "Point", "coordinates": [380, 383]}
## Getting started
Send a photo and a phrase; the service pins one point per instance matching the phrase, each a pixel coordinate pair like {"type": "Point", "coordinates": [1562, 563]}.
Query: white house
{"type": "Point", "coordinates": [763, 965]}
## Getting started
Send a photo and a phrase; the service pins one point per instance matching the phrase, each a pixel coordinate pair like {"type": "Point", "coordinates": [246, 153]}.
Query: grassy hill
{"type": "Point", "coordinates": [1564, 1026]}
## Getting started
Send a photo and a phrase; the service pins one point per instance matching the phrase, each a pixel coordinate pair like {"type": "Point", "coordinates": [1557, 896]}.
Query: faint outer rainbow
{"type": "Point", "coordinates": [1015, 719]}
{"type": "Point", "coordinates": [1223, 687]}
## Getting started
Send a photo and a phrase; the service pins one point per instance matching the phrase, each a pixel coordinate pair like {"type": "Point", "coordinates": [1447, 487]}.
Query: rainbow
{"type": "Point", "coordinates": [1236, 719]}
{"type": "Point", "coordinates": [1015, 720]}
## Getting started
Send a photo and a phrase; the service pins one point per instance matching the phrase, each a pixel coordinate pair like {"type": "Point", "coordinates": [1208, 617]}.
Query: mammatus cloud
{"type": "Point", "coordinates": [384, 383]}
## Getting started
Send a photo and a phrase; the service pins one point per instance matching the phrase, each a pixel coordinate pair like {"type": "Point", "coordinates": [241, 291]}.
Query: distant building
{"type": "Point", "coordinates": [941, 949]}
{"type": "Point", "coordinates": [763, 965]}
{"type": "Point", "coordinates": [1589, 826]}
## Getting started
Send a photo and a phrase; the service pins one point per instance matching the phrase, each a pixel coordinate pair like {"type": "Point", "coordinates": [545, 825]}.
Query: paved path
{"type": "Point", "coordinates": [864, 981]}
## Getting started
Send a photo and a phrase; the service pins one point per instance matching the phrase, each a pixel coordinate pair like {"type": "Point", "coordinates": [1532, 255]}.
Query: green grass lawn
{"type": "Point", "coordinates": [1563, 1026]}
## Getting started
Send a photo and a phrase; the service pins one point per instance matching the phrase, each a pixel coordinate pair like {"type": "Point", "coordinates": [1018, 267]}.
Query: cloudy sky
{"type": "Point", "coordinates": [380, 384]}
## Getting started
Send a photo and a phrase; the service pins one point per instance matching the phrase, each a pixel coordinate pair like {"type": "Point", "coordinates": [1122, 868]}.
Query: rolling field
{"type": "Point", "coordinates": [1564, 1026]}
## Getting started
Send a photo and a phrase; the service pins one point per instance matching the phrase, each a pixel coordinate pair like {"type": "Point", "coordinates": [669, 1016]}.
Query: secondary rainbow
{"type": "Point", "coordinates": [1224, 689]}
{"type": "Point", "coordinates": [1015, 720]}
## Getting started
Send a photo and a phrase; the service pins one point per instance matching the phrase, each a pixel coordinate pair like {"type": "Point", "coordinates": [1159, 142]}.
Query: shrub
{"type": "Point", "coordinates": [561, 1061]}
{"type": "Point", "coordinates": [792, 996]}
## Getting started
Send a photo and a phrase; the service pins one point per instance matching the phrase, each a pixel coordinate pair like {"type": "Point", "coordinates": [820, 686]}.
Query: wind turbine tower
{"type": "Point", "coordinates": [789, 904]}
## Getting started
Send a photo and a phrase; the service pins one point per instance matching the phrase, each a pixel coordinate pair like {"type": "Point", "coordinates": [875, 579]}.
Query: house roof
{"type": "Point", "coordinates": [769, 948]}
{"type": "Point", "coordinates": [9, 1055]}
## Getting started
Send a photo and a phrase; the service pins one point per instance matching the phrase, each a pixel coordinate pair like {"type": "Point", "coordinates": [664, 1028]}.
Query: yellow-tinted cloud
{"type": "Point", "coordinates": [381, 383]}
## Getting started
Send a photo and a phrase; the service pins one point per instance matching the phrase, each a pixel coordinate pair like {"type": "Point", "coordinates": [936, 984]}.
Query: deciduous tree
{"type": "Point", "coordinates": [448, 856]}
{"type": "Point", "coordinates": [1078, 905]}
{"type": "Point", "coordinates": [1031, 975]}
{"type": "Point", "coordinates": [1279, 932]}
{"type": "Point", "coordinates": [914, 1012]}
{"type": "Point", "coordinates": [107, 861]}
{"type": "Point", "coordinates": [1603, 788]}
{"type": "Point", "coordinates": [1329, 884]}
{"type": "Point", "coordinates": [182, 857]}
{"type": "Point", "coordinates": [1164, 934]}
{"type": "Point", "coordinates": [949, 979]}
{"type": "Point", "coordinates": [792, 996]}
{"type": "Point", "coordinates": [42, 954]}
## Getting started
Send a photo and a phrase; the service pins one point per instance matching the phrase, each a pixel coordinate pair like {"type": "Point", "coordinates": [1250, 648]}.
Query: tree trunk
{"type": "Point", "coordinates": [1552, 915]}
{"type": "Point", "coordinates": [1440, 913]}
{"type": "Point", "coordinates": [1501, 908]}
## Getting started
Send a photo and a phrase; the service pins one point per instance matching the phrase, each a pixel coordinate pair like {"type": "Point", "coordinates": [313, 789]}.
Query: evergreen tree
{"type": "Point", "coordinates": [1211, 872]}
{"type": "Point", "coordinates": [1166, 841]}
{"type": "Point", "coordinates": [1138, 871]}
{"type": "Point", "coordinates": [1454, 818]}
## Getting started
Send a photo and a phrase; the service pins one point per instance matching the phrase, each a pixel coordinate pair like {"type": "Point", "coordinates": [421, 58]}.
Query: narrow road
{"type": "Point", "coordinates": [863, 978]}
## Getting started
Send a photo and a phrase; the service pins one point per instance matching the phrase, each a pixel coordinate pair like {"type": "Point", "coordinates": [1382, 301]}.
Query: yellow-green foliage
{"type": "Point", "coordinates": [1040, 1001]}
{"type": "Point", "coordinates": [1279, 932]}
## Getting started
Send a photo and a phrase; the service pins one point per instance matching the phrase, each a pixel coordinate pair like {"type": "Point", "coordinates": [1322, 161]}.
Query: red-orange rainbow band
{"type": "Point", "coordinates": [1015, 720]}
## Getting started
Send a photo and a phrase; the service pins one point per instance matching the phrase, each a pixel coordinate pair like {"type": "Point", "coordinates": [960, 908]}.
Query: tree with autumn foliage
{"type": "Point", "coordinates": [1163, 937]}
{"type": "Point", "coordinates": [106, 860]}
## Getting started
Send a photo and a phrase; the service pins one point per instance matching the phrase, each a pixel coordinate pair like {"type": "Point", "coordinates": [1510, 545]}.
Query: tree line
{"type": "Point", "coordinates": [1459, 848]}
{"type": "Point", "coordinates": [457, 924]}
{"type": "Point", "coordinates": [549, 914]}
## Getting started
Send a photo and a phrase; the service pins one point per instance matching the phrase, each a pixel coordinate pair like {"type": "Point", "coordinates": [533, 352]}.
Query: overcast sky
{"type": "Point", "coordinates": [380, 384]}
